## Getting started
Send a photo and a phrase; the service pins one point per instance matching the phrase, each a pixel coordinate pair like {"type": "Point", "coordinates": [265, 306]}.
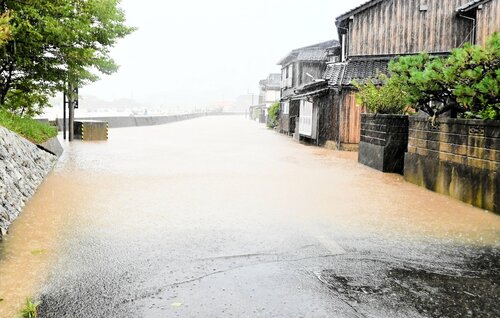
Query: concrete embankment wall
{"type": "Point", "coordinates": [23, 167]}
{"type": "Point", "coordinates": [138, 121]}
{"type": "Point", "coordinates": [459, 158]}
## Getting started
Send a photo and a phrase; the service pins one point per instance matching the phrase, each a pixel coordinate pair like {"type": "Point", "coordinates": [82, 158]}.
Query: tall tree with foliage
{"type": "Point", "coordinates": [53, 42]}
{"type": "Point", "coordinates": [5, 28]}
{"type": "Point", "coordinates": [467, 82]}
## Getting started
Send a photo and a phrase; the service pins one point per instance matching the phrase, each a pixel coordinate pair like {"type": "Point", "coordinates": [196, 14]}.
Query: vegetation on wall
{"type": "Point", "coordinates": [274, 113]}
{"type": "Point", "coordinates": [28, 128]}
{"type": "Point", "coordinates": [50, 42]}
{"type": "Point", "coordinates": [381, 95]}
{"type": "Point", "coordinates": [467, 82]}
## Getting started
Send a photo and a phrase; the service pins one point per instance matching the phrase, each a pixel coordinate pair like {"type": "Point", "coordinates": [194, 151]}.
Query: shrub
{"type": "Point", "coordinates": [382, 95]}
{"type": "Point", "coordinates": [274, 112]}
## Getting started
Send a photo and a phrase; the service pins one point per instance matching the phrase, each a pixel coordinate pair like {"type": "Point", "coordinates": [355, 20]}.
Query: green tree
{"type": "Point", "coordinates": [5, 28]}
{"type": "Point", "coordinates": [467, 82]}
{"type": "Point", "coordinates": [53, 42]}
{"type": "Point", "coordinates": [474, 74]}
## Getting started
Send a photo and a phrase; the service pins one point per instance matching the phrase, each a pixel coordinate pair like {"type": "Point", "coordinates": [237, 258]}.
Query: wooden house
{"type": "Point", "coordinates": [379, 30]}
{"type": "Point", "coordinates": [299, 68]}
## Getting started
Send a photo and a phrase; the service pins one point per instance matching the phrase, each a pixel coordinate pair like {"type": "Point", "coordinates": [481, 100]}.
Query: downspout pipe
{"type": "Point", "coordinates": [340, 107]}
{"type": "Point", "coordinates": [344, 60]}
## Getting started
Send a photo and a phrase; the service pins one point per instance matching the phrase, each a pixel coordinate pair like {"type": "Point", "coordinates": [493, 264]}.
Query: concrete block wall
{"type": "Point", "coordinates": [457, 157]}
{"type": "Point", "coordinates": [384, 130]}
{"type": "Point", "coordinates": [384, 141]}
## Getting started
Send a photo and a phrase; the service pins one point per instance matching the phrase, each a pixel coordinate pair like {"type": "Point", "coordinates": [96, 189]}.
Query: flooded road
{"type": "Point", "coordinates": [220, 217]}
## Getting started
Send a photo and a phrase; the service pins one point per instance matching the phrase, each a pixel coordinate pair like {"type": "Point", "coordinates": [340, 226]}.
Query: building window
{"type": "Point", "coordinates": [289, 76]}
{"type": "Point", "coordinates": [285, 106]}
{"type": "Point", "coordinates": [306, 118]}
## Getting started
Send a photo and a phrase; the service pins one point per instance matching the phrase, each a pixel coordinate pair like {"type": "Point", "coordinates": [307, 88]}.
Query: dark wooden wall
{"type": "Point", "coordinates": [339, 109]}
{"type": "Point", "coordinates": [350, 118]}
{"type": "Point", "coordinates": [399, 27]}
{"type": "Point", "coordinates": [327, 118]}
{"type": "Point", "coordinates": [488, 21]}
{"type": "Point", "coordinates": [287, 122]}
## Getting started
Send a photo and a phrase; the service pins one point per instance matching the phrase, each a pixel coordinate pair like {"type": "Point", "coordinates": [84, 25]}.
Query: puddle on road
{"type": "Point", "coordinates": [329, 190]}
{"type": "Point", "coordinates": [408, 289]}
{"type": "Point", "coordinates": [31, 246]}
{"type": "Point", "coordinates": [37, 237]}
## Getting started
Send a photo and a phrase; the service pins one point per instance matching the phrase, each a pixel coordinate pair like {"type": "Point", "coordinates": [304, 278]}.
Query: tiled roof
{"type": "Point", "coordinates": [323, 46]}
{"type": "Point", "coordinates": [334, 73]}
{"type": "Point", "coordinates": [471, 5]}
{"type": "Point", "coordinates": [312, 55]}
{"type": "Point", "coordinates": [273, 81]}
{"type": "Point", "coordinates": [355, 70]}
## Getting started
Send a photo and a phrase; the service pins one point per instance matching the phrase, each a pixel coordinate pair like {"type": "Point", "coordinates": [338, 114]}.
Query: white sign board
{"type": "Point", "coordinates": [305, 118]}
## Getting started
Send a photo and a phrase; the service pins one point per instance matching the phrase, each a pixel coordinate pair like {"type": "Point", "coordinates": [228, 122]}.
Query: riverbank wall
{"type": "Point", "coordinates": [23, 167]}
{"type": "Point", "coordinates": [145, 120]}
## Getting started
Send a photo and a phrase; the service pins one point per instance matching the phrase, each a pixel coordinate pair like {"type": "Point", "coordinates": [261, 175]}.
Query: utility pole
{"type": "Point", "coordinates": [65, 103]}
{"type": "Point", "coordinates": [70, 100]}
{"type": "Point", "coordinates": [71, 112]}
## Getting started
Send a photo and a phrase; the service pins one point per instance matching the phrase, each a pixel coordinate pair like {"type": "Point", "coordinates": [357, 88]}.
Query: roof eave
{"type": "Point", "coordinates": [471, 6]}
{"type": "Point", "coordinates": [356, 10]}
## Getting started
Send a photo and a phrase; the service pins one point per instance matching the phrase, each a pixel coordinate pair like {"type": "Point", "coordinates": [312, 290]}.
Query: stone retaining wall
{"type": "Point", "coordinates": [460, 158]}
{"type": "Point", "coordinates": [23, 167]}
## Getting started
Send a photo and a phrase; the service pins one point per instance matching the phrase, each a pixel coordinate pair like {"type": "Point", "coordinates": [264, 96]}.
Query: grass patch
{"type": "Point", "coordinates": [29, 128]}
{"type": "Point", "coordinates": [30, 309]}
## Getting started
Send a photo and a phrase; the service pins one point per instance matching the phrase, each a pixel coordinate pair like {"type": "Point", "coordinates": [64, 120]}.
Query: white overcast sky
{"type": "Point", "coordinates": [190, 53]}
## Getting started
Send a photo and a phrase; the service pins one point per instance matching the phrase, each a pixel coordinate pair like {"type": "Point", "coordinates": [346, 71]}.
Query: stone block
{"type": "Point", "coordinates": [52, 146]}
{"type": "Point", "coordinates": [91, 130]}
{"type": "Point", "coordinates": [384, 145]}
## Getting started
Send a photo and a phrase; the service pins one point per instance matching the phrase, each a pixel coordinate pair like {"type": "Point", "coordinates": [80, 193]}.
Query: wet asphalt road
{"type": "Point", "coordinates": [220, 217]}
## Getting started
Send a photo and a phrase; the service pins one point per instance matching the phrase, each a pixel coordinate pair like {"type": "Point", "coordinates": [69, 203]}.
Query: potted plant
{"type": "Point", "coordinates": [384, 131]}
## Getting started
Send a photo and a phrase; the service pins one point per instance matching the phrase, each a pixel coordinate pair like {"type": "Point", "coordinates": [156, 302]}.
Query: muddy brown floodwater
{"type": "Point", "coordinates": [219, 216]}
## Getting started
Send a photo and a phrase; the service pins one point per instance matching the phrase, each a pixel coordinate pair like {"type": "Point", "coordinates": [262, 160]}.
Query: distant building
{"type": "Point", "coordinates": [270, 90]}
{"type": "Point", "coordinates": [270, 93]}
{"type": "Point", "coordinates": [243, 102]}
{"type": "Point", "coordinates": [302, 67]}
